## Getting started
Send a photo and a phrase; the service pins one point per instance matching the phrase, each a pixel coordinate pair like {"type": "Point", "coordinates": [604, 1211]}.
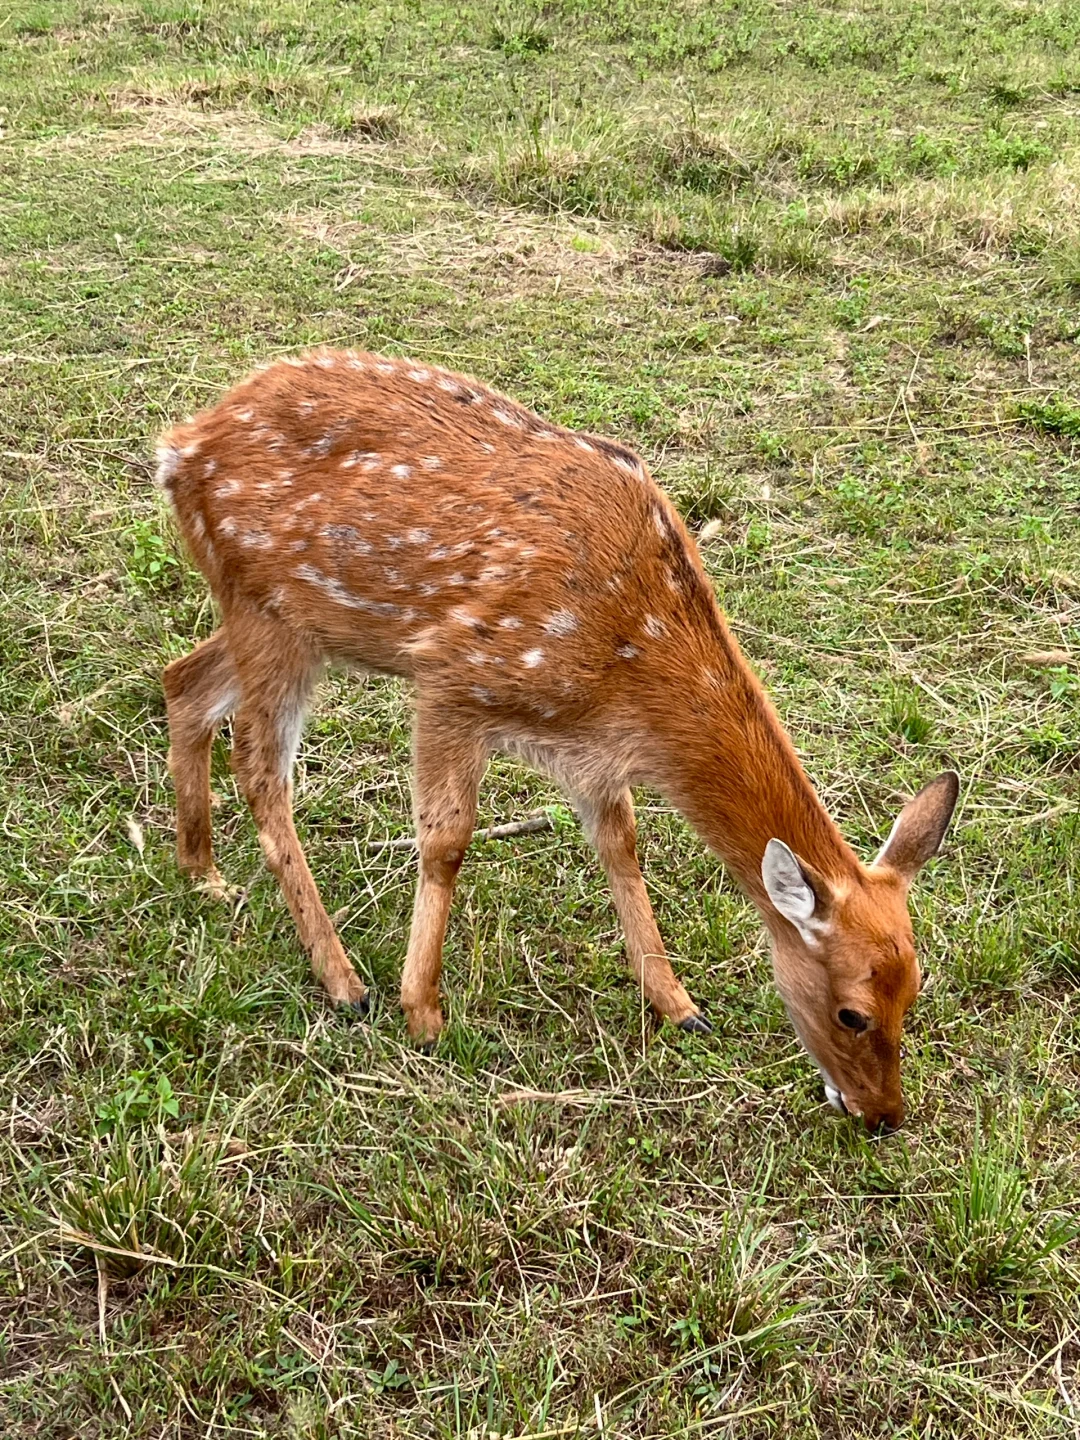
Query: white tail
{"type": "Point", "coordinates": [546, 600]}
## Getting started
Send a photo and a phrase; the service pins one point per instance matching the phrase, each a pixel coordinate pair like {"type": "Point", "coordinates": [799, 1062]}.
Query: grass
{"type": "Point", "coordinates": [821, 267]}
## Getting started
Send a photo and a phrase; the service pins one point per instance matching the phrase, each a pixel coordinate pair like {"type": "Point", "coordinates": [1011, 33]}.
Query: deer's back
{"type": "Point", "coordinates": [412, 521]}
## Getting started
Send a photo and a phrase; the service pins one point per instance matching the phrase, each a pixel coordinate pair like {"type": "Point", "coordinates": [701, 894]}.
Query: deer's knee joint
{"type": "Point", "coordinates": [441, 857]}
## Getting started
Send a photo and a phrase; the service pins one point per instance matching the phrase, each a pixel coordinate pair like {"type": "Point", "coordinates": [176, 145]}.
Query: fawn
{"type": "Point", "coordinates": [546, 600]}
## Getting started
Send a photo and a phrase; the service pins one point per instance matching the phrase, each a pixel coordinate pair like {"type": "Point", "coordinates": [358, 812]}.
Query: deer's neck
{"type": "Point", "coordinates": [726, 762]}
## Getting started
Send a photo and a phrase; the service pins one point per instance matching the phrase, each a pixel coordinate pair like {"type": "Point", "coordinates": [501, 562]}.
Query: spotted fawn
{"type": "Point", "coordinates": [546, 600]}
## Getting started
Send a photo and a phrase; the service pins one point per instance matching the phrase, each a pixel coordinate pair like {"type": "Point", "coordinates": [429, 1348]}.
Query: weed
{"type": "Point", "coordinates": [904, 717]}
{"type": "Point", "coordinates": [989, 1227]}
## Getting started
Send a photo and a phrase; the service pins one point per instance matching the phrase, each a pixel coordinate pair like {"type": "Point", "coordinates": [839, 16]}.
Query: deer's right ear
{"type": "Point", "coordinates": [797, 891]}
{"type": "Point", "coordinates": [920, 827]}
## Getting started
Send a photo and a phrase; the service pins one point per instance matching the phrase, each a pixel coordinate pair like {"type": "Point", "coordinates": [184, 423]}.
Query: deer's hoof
{"type": "Point", "coordinates": [361, 1007]}
{"type": "Point", "coordinates": [695, 1025]}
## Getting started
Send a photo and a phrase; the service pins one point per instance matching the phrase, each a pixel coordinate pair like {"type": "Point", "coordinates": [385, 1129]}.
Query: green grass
{"type": "Point", "coordinates": [821, 266]}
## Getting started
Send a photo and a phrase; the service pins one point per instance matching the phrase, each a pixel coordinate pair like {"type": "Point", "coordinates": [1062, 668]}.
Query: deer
{"type": "Point", "coordinates": [546, 601]}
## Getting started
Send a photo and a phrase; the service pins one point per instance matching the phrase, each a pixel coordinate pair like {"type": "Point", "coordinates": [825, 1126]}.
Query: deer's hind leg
{"type": "Point", "coordinates": [276, 675]}
{"type": "Point", "coordinates": [200, 690]}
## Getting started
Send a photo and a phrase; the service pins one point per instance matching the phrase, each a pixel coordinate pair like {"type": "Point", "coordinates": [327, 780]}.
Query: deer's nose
{"type": "Point", "coordinates": [884, 1122]}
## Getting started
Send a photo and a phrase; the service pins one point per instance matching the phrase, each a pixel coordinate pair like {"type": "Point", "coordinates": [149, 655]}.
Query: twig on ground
{"type": "Point", "coordinates": [531, 826]}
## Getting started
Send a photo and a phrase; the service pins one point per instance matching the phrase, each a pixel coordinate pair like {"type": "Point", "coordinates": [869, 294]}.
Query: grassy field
{"type": "Point", "coordinates": [822, 267]}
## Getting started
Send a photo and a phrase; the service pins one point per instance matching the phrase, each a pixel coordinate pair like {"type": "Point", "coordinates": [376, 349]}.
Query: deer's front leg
{"type": "Point", "coordinates": [449, 764]}
{"type": "Point", "coordinates": [609, 824]}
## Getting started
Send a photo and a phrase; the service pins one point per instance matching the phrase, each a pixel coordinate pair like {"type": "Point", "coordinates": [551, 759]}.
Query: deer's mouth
{"type": "Point", "coordinates": [834, 1097]}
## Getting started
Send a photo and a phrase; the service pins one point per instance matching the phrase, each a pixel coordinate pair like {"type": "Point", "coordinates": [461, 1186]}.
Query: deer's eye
{"type": "Point", "coordinates": [852, 1020]}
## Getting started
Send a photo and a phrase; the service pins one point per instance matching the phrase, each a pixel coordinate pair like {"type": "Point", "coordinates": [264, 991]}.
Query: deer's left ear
{"type": "Point", "coordinates": [920, 826]}
{"type": "Point", "coordinates": [799, 893]}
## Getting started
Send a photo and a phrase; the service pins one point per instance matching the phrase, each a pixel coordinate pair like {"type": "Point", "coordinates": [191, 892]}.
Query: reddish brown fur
{"type": "Point", "coordinates": [546, 599]}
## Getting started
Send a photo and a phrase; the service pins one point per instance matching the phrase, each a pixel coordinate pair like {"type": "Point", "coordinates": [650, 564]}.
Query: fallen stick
{"type": "Point", "coordinates": [493, 832]}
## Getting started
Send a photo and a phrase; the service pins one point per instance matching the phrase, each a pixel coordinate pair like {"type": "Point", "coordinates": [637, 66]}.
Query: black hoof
{"type": "Point", "coordinates": [426, 1047]}
{"type": "Point", "coordinates": [360, 1007]}
{"type": "Point", "coordinates": [695, 1025]}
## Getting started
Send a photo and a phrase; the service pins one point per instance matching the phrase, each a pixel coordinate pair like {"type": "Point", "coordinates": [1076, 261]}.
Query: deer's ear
{"type": "Point", "coordinates": [796, 889]}
{"type": "Point", "coordinates": [920, 827]}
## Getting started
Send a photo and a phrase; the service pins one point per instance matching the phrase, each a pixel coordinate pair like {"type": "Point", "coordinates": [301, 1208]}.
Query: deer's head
{"type": "Point", "coordinates": [844, 956]}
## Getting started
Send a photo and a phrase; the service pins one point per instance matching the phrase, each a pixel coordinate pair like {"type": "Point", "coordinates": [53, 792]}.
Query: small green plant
{"type": "Point", "coordinates": [1053, 417]}
{"type": "Point", "coordinates": [142, 1098]}
{"type": "Point", "coordinates": [151, 561]}
{"type": "Point", "coordinates": [1014, 152]}
{"type": "Point", "coordinates": [989, 1228]}
{"type": "Point", "coordinates": [865, 507]}
{"type": "Point", "coordinates": [1063, 682]}
{"type": "Point", "coordinates": [904, 718]}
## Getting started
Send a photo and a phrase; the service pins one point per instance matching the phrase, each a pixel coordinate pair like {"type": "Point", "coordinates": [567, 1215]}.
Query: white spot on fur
{"type": "Point", "coordinates": [487, 448]}
{"type": "Point", "coordinates": [230, 487]}
{"type": "Point", "coordinates": [562, 622]}
{"type": "Point", "coordinates": [385, 368]}
{"type": "Point", "coordinates": [209, 468]}
{"type": "Point", "coordinates": [510, 622]}
{"type": "Point", "coordinates": [431, 462]}
{"type": "Point", "coordinates": [465, 617]}
{"type": "Point", "coordinates": [298, 545]}
{"type": "Point", "coordinates": [491, 572]}
{"type": "Point", "coordinates": [336, 591]}
{"type": "Point", "coordinates": [476, 657]}
{"type": "Point", "coordinates": [654, 627]}
{"type": "Point", "coordinates": [583, 445]}
{"type": "Point", "coordinates": [168, 462]}
{"type": "Point", "coordinates": [198, 528]}
{"type": "Point", "coordinates": [401, 471]}
{"type": "Point", "coordinates": [418, 537]}
{"type": "Point", "coordinates": [484, 696]}
{"type": "Point", "coordinates": [628, 652]}
{"type": "Point", "coordinates": [256, 539]}
{"type": "Point", "coordinates": [244, 416]}
{"type": "Point", "coordinates": [227, 526]}
{"type": "Point", "coordinates": [532, 658]}
{"type": "Point", "coordinates": [325, 362]}
{"type": "Point", "coordinates": [450, 386]}
{"type": "Point", "coordinates": [420, 376]}
{"type": "Point", "coordinates": [660, 520]}
{"type": "Point", "coordinates": [456, 579]}
{"type": "Point", "coordinates": [504, 417]}
{"type": "Point", "coordinates": [428, 589]}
